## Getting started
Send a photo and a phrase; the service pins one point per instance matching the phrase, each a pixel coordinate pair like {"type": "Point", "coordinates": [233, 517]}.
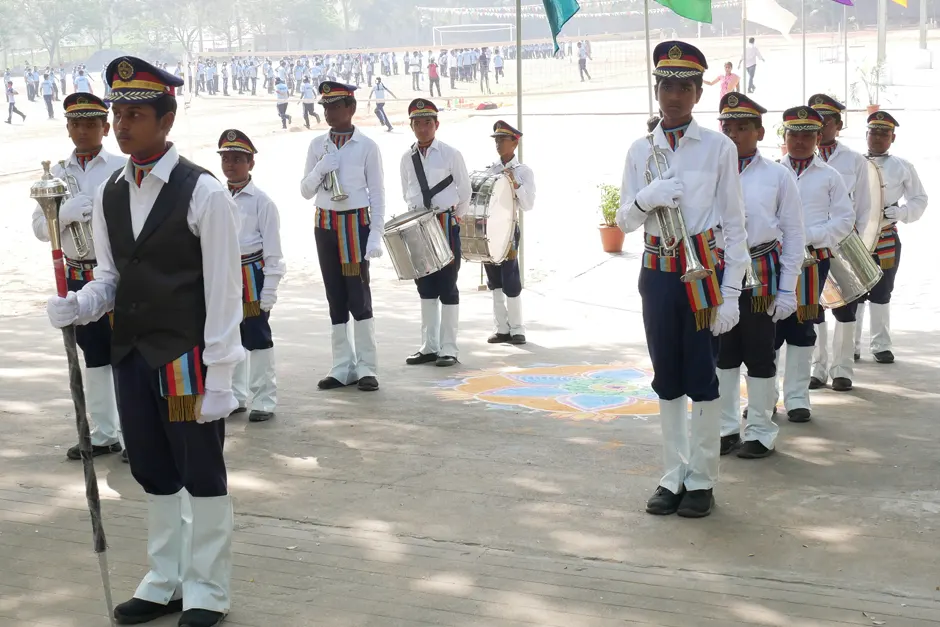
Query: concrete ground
{"type": "Point", "coordinates": [444, 499]}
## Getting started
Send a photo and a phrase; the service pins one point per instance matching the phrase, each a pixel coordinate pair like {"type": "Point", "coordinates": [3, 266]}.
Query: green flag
{"type": "Point", "coordinates": [558, 13]}
{"type": "Point", "coordinates": [698, 10]}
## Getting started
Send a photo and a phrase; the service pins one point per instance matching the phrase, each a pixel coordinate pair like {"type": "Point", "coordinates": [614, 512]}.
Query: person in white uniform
{"type": "Point", "coordinates": [683, 319]}
{"type": "Point", "coordinates": [434, 176]}
{"type": "Point", "coordinates": [262, 268]}
{"type": "Point", "coordinates": [503, 279]}
{"type": "Point", "coordinates": [774, 223]}
{"type": "Point", "coordinates": [853, 167]}
{"type": "Point", "coordinates": [827, 218]}
{"type": "Point", "coordinates": [906, 201]}
{"type": "Point", "coordinates": [87, 124]}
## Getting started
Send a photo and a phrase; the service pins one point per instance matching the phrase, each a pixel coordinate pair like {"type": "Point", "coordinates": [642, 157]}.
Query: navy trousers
{"type": "Point", "coordinates": [256, 330]}
{"type": "Point", "coordinates": [166, 456]}
{"type": "Point", "coordinates": [796, 333]}
{"type": "Point", "coordinates": [881, 293]}
{"type": "Point", "coordinates": [95, 338]}
{"type": "Point", "coordinates": [684, 359]}
{"type": "Point", "coordinates": [505, 276]}
{"type": "Point", "coordinates": [345, 294]}
{"type": "Point", "coordinates": [750, 342]}
{"type": "Point", "coordinates": [443, 283]}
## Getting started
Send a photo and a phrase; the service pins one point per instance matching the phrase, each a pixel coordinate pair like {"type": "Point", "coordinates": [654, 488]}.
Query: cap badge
{"type": "Point", "coordinates": [802, 114]}
{"type": "Point", "coordinates": [675, 53]}
{"type": "Point", "coordinates": [125, 70]}
{"type": "Point", "coordinates": [81, 100]}
{"type": "Point", "coordinates": [327, 89]}
{"type": "Point", "coordinates": [819, 100]}
{"type": "Point", "coordinates": [231, 136]}
{"type": "Point", "coordinates": [419, 104]}
{"type": "Point", "coordinates": [879, 116]}
{"type": "Point", "coordinates": [732, 101]}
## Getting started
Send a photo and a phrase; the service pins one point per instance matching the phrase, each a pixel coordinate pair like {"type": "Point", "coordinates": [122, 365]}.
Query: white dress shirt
{"type": "Point", "coordinates": [901, 182]}
{"type": "Point", "coordinates": [360, 175]}
{"type": "Point", "coordinates": [707, 164]}
{"type": "Point", "coordinates": [853, 166]}
{"type": "Point", "coordinates": [95, 173]}
{"type": "Point", "coordinates": [773, 211]}
{"type": "Point", "coordinates": [212, 217]}
{"type": "Point", "coordinates": [827, 211]}
{"type": "Point", "coordinates": [524, 175]}
{"type": "Point", "coordinates": [260, 228]}
{"type": "Point", "coordinates": [751, 55]}
{"type": "Point", "coordinates": [440, 161]}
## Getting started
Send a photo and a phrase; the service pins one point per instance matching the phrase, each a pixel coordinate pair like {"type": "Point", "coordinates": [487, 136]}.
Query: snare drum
{"type": "Point", "coordinates": [486, 231]}
{"type": "Point", "coordinates": [417, 244]}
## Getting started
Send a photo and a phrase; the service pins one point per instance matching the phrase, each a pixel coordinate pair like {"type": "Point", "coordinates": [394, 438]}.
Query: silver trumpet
{"type": "Point", "coordinates": [808, 258]}
{"type": "Point", "coordinates": [338, 193]}
{"type": "Point", "coordinates": [81, 233]}
{"type": "Point", "coordinates": [750, 277]}
{"type": "Point", "coordinates": [671, 223]}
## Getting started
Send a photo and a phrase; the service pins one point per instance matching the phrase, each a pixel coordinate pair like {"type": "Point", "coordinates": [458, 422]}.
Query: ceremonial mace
{"type": "Point", "coordinates": [49, 192]}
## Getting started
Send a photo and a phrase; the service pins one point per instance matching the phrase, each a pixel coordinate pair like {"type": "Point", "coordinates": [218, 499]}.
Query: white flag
{"type": "Point", "coordinates": [770, 14]}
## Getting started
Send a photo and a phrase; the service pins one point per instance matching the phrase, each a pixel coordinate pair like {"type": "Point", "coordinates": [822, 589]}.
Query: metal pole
{"type": "Point", "coordinates": [744, 43]}
{"type": "Point", "coordinates": [882, 30]}
{"type": "Point", "coordinates": [649, 55]}
{"type": "Point", "coordinates": [803, 28]}
{"type": "Point", "coordinates": [923, 24]}
{"type": "Point", "coordinates": [845, 53]}
{"type": "Point", "coordinates": [519, 127]}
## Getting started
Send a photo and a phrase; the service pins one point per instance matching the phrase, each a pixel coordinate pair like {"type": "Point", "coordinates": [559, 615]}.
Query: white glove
{"type": "Point", "coordinates": [268, 296]}
{"type": "Point", "coordinates": [783, 307]}
{"type": "Point", "coordinates": [73, 210]}
{"type": "Point", "coordinates": [329, 163]}
{"type": "Point", "coordinates": [664, 192]}
{"type": "Point", "coordinates": [216, 405]}
{"type": "Point", "coordinates": [729, 312]}
{"type": "Point", "coordinates": [891, 212]}
{"type": "Point", "coordinates": [63, 311]}
{"type": "Point", "coordinates": [374, 245]}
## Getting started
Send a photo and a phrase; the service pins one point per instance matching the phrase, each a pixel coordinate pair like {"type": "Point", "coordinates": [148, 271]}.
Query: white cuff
{"type": "Point", "coordinates": [219, 377]}
{"type": "Point", "coordinates": [788, 282]}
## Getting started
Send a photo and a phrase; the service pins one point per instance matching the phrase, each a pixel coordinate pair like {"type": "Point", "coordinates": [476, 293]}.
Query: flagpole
{"type": "Point", "coordinates": [744, 42]}
{"type": "Point", "coordinates": [519, 128]}
{"type": "Point", "coordinates": [649, 59]}
{"type": "Point", "coordinates": [845, 44]}
{"type": "Point", "coordinates": [882, 30]}
{"type": "Point", "coordinates": [803, 25]}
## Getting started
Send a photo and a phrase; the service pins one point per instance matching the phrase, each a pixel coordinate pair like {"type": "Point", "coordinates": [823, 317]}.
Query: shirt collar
{"type": "Point", "coordinates": [103, 155]}
{"type": "Point", "coordinates": [248, 190]}
{"type": "Point", "coordinates": [162, 169]}
{"type": "Point", "coordinates": [693, 131]}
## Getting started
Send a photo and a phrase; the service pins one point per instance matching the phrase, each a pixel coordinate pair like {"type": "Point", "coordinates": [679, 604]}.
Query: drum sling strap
{"type": "Point", "coordinates": [428, 193]}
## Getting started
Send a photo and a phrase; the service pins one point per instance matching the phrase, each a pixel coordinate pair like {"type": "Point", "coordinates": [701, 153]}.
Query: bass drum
{"type": "Point", "coordinates": [416, 244]}
{"type": "Point", "coordinates": [876, 220]}
{"type": "Point", "coordinates": [486, 231]}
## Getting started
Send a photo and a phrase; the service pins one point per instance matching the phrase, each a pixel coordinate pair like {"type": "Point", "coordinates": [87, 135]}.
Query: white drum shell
{"type": "Point", "coordinates": [417, 245]}
{"type": "Point", "coordinates": [488, 228]}
{"type": "Point", "coordinates": [852, 273]}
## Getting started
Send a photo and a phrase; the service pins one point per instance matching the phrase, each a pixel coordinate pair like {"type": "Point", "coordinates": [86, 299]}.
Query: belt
{"type": "Point", "coordinates": [258, 255]}
{"type": "Point", "coordinates": [662, 252]}
{"type": "Point", "coordinates": [81, 264]}
{"type": "Point", "coordinates": [762, 249]}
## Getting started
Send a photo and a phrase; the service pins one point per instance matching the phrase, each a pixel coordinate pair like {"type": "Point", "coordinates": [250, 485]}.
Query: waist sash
{"type": "Point", "coordinates": [808, 288]}
{"type": "Point", "coordinates": [182, 384]}
{"type": "Point", "coordinates": [886, 249]}
{"type": "Point", "coordinates": [346, 224]}
{"type": "Point", "coordinates": [252, 282]}
{"type": "Point", "coordinates": [705, 294]}
{"type": "Point", "coordinates": [80, 269]}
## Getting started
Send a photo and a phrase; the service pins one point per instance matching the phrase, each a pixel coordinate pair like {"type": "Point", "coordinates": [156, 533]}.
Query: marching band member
{"type": "Point", "coordinates": [503, 279]}
{"type": "Point", "coordinates": [827, 218]}
{"type": "Point", "coordinates": [87, 124]}
{"type": "Point", "coordinates": [168, 266]}
{"type": "Point", "coordinates": [682, 320]}
{"type": "Point", "coordinates": [434, 175]}
{"type": "Point", "coordinates": [853, 167]}
{"type": "Point", "coordinates": [775, 236]}
{"type": "Point", "coordinates": [901, 182]}
{"type": "Point", "coordinates": [262, 268]}
{"type": "Point", "coordinates": [348, 233]}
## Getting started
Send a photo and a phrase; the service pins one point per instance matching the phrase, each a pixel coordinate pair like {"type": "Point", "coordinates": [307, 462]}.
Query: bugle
{"type": "Point", "coordinates": [80, 232]}
{"type": "Point", "coordinates": [338, 193]}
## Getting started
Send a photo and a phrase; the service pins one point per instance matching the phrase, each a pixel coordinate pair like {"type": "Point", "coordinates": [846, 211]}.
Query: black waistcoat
{"type": "Point", "coordinates": [160, 306]}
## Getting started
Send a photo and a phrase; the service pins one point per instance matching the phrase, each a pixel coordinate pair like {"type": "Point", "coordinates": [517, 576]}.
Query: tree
{"type": "Point", "coordinates": [9, 18]}
{"type": "Point", "coordinates": [52, 20]}
{"type": "Point", "coordinates": [102, 19]}
{"type": "Point", "coordinates": [181, 21]}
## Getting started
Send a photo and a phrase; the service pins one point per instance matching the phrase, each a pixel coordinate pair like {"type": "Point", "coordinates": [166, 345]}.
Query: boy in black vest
{"type": "Point", "coordinates": [169, 268]}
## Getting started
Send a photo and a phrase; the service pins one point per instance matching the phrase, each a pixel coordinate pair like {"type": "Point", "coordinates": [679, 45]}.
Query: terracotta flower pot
{"type": "Point", "coordinates": [872, 108]}
{"type": "Point", "coordinates": [611, 238]}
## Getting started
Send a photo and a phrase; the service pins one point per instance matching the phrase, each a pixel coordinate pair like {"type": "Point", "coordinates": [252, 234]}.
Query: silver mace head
{"type": "Point", "coordinates": [49, 192]}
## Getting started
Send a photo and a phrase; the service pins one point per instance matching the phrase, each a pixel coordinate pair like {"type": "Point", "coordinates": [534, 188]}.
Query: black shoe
{"type": "Point", "coordinates": [260, 416]}
{"type": "Point", "coordinates": [446, 360]}
{"type": "Point", "coordinates": [238, 410]}
{"type": "Point", "coordinates": [857, 357]}
{"type": "Point", "coordinates": [420, 358]}
{"type": "Point", "coordinates": [330, 383]}
{"type": "Point", "coordinates": [816, 383]}
{"type": "Point", "coordinates": [517, 339]}
{"type": "Point", "coordinates": [75, 454]}
{"type": "Point", "coordinates": [754, 450]}
{"type": "Point", "coordinates": [498, 338]}
{"type": "Point", "coordinates": [800, 414]}
{"type": "Point", "coordinates": [368, 384]}
{"type": "Point", "coordinates": [201, 618]}
{"type": "Point", "coordinates": [730, 442]}
{"type": "Point", "coordinates": [138, 611]}
{"type": "Point", "coordinates": [696, 504]}
{"type": "Point", "coordinates": [884, 357]}
{"type": "Point", "coordinates": [841, 384]}
{"type": "Point", "coordinates": [124, 457]}
{"type": "Point", "coordinates": [664, 502]}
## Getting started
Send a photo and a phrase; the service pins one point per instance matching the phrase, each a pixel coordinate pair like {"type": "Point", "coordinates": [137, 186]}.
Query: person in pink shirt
{"type": "Point", "coordinates": [729, 81]}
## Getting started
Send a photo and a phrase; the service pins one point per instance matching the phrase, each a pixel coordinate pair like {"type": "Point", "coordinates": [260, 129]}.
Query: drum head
{"type": "Point", "coordinates": [875, 218]}
{"type": "Point", "coordinates": [501, 219]}
{"type": "Point", "coordinates": [405, 218]}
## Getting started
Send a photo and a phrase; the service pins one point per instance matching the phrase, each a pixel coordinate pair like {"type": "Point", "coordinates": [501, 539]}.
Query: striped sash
{"type": "Point", "coordinates": [252, 281]}
{"type": "Point", "coordinates": [808, 288]}
{"type": "Point", "coordinates": [887, 247]}
{"type": "Point", "coordinates": [182, 384]}
{"type": "Point", "coordinates": [450, 226]}
{"type": "Point", "coordinates": [346, 224]}
{"type": "Point", "coordinates": [765, 261]}
{"type": "Point", "coordinates": [705, 294]}
{"type": "Point", "coordinates": [80, 270]}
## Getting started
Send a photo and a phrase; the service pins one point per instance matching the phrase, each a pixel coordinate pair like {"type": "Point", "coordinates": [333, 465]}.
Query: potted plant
{"type": "Point", "coordinates": [781, 141]}
{"type": "Point", "coordinates": [871, 81]}
{"type": "Point", "coordinates": [611, 235]}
